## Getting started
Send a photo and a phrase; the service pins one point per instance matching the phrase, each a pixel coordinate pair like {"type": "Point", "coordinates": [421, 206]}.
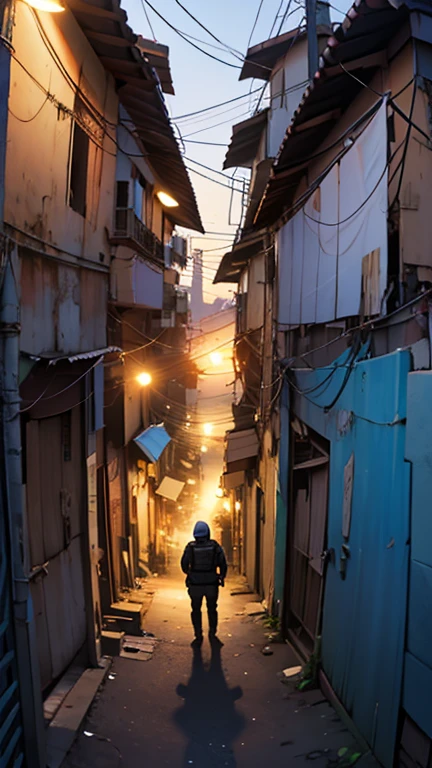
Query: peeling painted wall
{"type": "Point", "coordinates": [63, 308]}
{"type": "Point", "coordinates": [37, 181]}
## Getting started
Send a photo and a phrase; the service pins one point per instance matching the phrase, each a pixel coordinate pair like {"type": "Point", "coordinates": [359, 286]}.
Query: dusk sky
{"type": "Point", "coordinates": [201, 82]}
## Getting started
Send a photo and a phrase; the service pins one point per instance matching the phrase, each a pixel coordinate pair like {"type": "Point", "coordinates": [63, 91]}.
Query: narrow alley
{"type": "Point", "coordinates": [209, 708]}
{"type": "Point", "coordinates": [215, 324]}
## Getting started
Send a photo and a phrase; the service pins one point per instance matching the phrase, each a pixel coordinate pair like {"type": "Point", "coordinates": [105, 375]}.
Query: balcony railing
{"type": "Point", "coordinates": [129, 229]}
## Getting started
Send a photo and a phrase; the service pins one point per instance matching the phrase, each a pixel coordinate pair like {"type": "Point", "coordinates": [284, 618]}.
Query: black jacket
{"type": "Point", "coordinates": [204, 562]}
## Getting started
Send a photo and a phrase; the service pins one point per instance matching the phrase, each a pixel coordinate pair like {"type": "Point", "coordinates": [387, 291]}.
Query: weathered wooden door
{"type": "Point", "coordinates": [56, 514]}
{"type": "Point", "coordinates": [307, 543]}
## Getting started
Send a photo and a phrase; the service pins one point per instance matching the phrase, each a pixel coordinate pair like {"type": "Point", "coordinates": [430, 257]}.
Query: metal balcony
{"type": "Point", "coordinates": [131, 231]}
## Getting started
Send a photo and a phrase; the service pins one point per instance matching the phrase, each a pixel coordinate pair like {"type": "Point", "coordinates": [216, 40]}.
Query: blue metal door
{"type": "Point", "coordinates": [11, 753]}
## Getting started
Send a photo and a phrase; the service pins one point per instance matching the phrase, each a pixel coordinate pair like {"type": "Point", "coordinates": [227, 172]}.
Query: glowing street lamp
{"type": "Point", "coordinates": [144, 379]}
{"type": "Point", "coordinates": [204, 449]}
{"type": "Point", "coordinates": [167, 200]}
{"type": "Point", "coordinates": [50, 6]}
{"type": "Point", "coordinates": [219, 493]}
{"type": "Point", "coordinates": [215, 358]}
{"type": "Point", "coordinates": [208, 429]}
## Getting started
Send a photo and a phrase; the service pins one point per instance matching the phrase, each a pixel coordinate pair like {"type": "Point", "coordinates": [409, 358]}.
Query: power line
{"type": "Point", "coordinates": [286, 15]}
{"type": "Point", "coordinates": [211, 250]}
{"type": "Point", "coordinates": [30, 119]}
{"type": "Point", "coordinates": [177, 31]}
{"type": "Point", "coordinates": [103, 122]}
{"type": "Point", "coordinates": [360, 207]}
{"type": "Point", "coordinates": [227, 234]}
{"type": "Point", "coordinates": [343, 13]}
{"type": "Point", "coordinates": [255, 23]}
{"type": "Point", "coordinates": [148, 19]}
{"type": "Point", "coordinates": [216, 239]}
{"type": "Point", "coordinates": [211, 45]}
{"type": "Point", "coordinates": [140, 333]}
{"type": "Point", "coordinates": [216, 125]}
{"type": "Point", "coordinates": [276, 17]}
{"type": "Point", "coordinates": [213, 170]}
{"type": "Point", "coordinates": [215, 181]}
{"type": "Point", "coordinates": [205, 143]}
{"type": "Point", "coordinates": [215, 106]}
{"type": "Point", "coordinates": [233, 50]}
{"type": "Point", "coordinates": [195, 121]}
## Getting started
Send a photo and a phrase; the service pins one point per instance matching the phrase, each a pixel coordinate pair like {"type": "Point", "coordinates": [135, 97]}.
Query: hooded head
{"type": "Point", "coordinates": [201, 531]}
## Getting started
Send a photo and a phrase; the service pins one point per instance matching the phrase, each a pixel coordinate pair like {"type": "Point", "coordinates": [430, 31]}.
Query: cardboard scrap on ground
{"type": "Point", "coordinates": [138, 648]}
{"type": "Point", "coordinates": [291, 671]}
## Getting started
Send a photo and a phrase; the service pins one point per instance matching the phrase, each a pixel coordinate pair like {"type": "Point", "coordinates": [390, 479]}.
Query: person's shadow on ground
{"type": "Point", "coordinates": [208, 717]}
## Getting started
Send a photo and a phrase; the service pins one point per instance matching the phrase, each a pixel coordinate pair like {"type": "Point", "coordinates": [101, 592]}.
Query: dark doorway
{"type": "Point", "coordinates": [307, 538]}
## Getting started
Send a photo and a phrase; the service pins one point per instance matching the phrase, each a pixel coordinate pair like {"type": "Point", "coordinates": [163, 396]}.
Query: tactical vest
{"type": "Point", "coordinates": [203, 557]}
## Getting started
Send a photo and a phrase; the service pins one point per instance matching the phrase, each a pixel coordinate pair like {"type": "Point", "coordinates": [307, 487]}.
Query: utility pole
{"type": "Point", "coordinates": [11, 487]}
{"type": "Point", "coordinates": [311, 21]}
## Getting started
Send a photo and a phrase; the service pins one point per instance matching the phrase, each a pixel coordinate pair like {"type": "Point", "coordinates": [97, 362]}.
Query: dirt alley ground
{"type": "Point", "coordinates": [208, 709]}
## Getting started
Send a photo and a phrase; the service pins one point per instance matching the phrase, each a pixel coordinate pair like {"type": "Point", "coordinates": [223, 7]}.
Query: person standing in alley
{"type": "Point", "coordinates": [205, 566]}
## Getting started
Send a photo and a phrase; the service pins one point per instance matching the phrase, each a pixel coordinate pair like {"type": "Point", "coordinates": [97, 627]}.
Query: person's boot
{"type": "Point", "coordinates": [213, 621]}
{"type": "Point", "coordinates": [215, 640]}
{"type": "Point", "coordinates": [197, 625]}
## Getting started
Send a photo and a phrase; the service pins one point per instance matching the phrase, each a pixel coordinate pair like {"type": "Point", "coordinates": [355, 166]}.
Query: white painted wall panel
{"type": "Point", "coordinates": [363, 227]}
{"type": "Point", "coordinates": [320, 250]}
{"type": "Point", "coordinates": [295, 74]}
{"type": "Point", "coordinates": [328, 242]}
{"type": "Point", "coordinates": [297, 270]}
{"type": "Point", "coordinates": [284, 250]}
{"type": "Point", "coordinates": [311, 258]}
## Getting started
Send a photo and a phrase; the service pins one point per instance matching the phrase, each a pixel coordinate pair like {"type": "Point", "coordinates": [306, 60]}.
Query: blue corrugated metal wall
{"type": "Point", "coordinates": [418, 657]}
{"type": "Point", "coordinates": [364, 615]}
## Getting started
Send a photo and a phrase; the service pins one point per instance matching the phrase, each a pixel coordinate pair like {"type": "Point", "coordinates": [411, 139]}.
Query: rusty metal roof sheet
{"type": "Point", "coordinates": [139, 88]}
{"type": "Point", "coordinates": [234, 262]}
{"type": "Point", "coordinates": [357, 44]}
{"type": "Point", "coordinates": [261, 58]}
{"type": "Point", "coordinates": [245, 140]}
{"type": "Point", "coordinates": [56, 357]}
{"type": "Point", "coordinates": [157, 56]}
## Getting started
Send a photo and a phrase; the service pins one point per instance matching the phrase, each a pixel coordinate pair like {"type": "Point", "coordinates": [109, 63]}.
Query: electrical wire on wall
{"type": "Point", "coordinates": [183, 36]}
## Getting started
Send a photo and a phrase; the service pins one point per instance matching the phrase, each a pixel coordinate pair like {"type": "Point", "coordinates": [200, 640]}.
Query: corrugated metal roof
{"type": "Point", "coordinates": [357, 43]}
{"type": "Point", "coordinates": [245, 140]}
{"type": "Point", "coordinates": [139, 89]}
{"type": "Point", "coordinates": [157, 56]}
{"type": "Point", "coordinates": [234, 262]}
{"type": "Point", "coordinates": [55, 357]}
